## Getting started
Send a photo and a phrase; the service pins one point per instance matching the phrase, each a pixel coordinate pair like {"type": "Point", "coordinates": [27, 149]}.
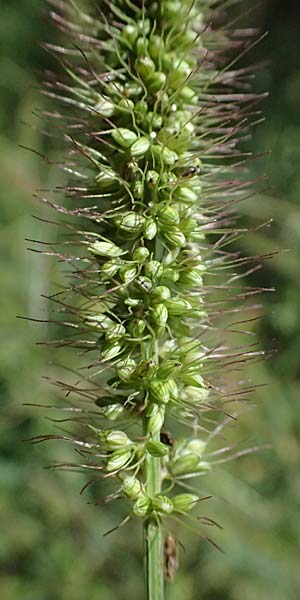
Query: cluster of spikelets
{"type": "Point", "coordinates": [147, 112]}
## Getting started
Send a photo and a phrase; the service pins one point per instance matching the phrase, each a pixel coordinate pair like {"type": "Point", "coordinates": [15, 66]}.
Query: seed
{"type": "Point", "coordinates": [196, 446]}
{"type": "Point", "coordinates": [131, 222]}
{"type": "Point", "coordinates": [109, 269]}
{"type": "Point", "coordinates": [162, 504]}
{"type": "Point", "coordinates": [172, 388]}
{"type": "Point", "coordinates": [185, 194]}
{"type": "Point", "coordinates": [168, 215]}
{"type": "Point", "coordinates": [99, 322]}
{"type": "Point", "coordinates": [164, 154]}
{"type": "Point", "coordinates": [115, 332]}
{"type": "Point", "coordinates": [157, 81]}
{"type": "Point", "coordinates": [124, 137]}
{"type": "Point", "coordinates": [178, 306]}
{"type": "Point", "coordinates": [156, 421]}
{"type": "Point", "coordinates": [157, 449]}
{"type": "Point", "coordinates": [151, 410]}
{"type": "Point", "coordinates": [156, 45]}
{"type": "Point", "coordinates": [131, 487]}
{"type": "Point", "coordinates": [191, 277]}
{"type": "Point", "coordinates": [188, 95]}
{"type": "Point", "coordinates": [194, 379]}
{"type": "Point", "coordinates": [150, 229]}
{"type": "Point", "coordinates": [168, 368]}
{"type": "Point", "coordinates": [141, 107]}
{"type": "Point", "coordinates": [180, 71]}
{"type": "Point", "coordinates": [115, 439]}
{"type": "Point", "coordinates": [161, 293]}
{"type": "Point", "coordinates": [140, 254]}
{"type": "Point", "coordinates": [140, 147]}
{"type": "Point", "coordinates": [132, 301]}
{"type": "Point", "coordinates": [106, 249]}
{"type": "Point", "coordinates": [126, 105]}
{"type": "Point", "coordinates": [175, 238]}
{"type": "Point", "coordinates": [171, 274]}
{"type": "Point", "coordinates": [111, 351]}
{"type": "Point", "coordinates": [145, 66]}
{"type": "Point", "coordinates": [154, 269]}
{"type": "Point", "coordinates": [185, 464]}
{"type": "Point", "coordinates": [137, 189]}
{"type": "Point", "coordinates": [113, 411]}
{"type": "Point", "coordinates": [141, 47]}
{"type": "Point", "coordinates": [159, 391]}
{"type": "Point", "coordinates": [104, 107]}
{"type": "Point", "coordinates": [154, 120]}
{"type": "Point", "coordinates": [128, 274]}
{"type": "Point", "coordinates": [144, 283]}
{"type": "Point", "coordinates": [137, 327]}
{"type": "Point", "coordinates": [141, 506]}
{"type": "Point", "coordinates": [160, 314]}
{"type": "Point", "coordinates": [106, 178]}
{"type": "Point", "coordinates": [194, 394]}
{"type": "Point", "coordinates": [130, 33]}
{"type": "Point", "coordinates": [126, 369]}
{"type": "Point", "coordinates": [184, 502]}
{"type": "Point", "coordinates": [118, 460]}
{"type": "Point", "coordinates": [133, 90]}
{"type": "Point", "coordinates": [152, 177]}
{"type": "Point", "coordinates": [144, 26]}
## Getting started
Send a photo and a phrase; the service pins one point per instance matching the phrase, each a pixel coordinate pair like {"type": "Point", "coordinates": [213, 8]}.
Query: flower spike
{"type": "Point", "coordinates": [152, 117]}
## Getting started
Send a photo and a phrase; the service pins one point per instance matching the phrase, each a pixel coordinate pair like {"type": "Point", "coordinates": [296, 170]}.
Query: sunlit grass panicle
{"type": "Point", "coordinates": [150, 119]}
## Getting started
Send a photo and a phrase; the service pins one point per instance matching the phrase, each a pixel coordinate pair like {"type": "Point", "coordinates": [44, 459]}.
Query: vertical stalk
{"type": "Point", "coordinates": [152, 526]}
{"type": "Point", "coordinates": [153, 534]}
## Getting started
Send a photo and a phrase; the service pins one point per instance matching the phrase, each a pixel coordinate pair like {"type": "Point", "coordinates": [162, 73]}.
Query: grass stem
{"type": "Point", "coordinates": [153, 535]}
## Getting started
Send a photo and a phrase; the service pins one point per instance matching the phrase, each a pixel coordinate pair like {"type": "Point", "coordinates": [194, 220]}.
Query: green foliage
{"type": "Point", "coordinates": [51, 542]}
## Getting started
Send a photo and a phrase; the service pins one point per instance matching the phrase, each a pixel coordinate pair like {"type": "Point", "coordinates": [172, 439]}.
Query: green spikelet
{"type": "Point", "coordinates": [151, 121]}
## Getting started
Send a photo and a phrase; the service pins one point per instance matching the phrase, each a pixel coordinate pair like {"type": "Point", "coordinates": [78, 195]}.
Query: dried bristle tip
{"type": "Point", "coordinates": [151, 119]}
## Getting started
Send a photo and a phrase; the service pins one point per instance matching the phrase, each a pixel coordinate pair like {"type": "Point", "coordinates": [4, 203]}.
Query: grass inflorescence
{"type": "Point", "coordinates": [150, 113]}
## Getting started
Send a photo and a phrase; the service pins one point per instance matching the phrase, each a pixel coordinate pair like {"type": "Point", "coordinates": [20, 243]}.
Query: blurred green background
{"type": "Point", "coordinates": [51, 545]}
